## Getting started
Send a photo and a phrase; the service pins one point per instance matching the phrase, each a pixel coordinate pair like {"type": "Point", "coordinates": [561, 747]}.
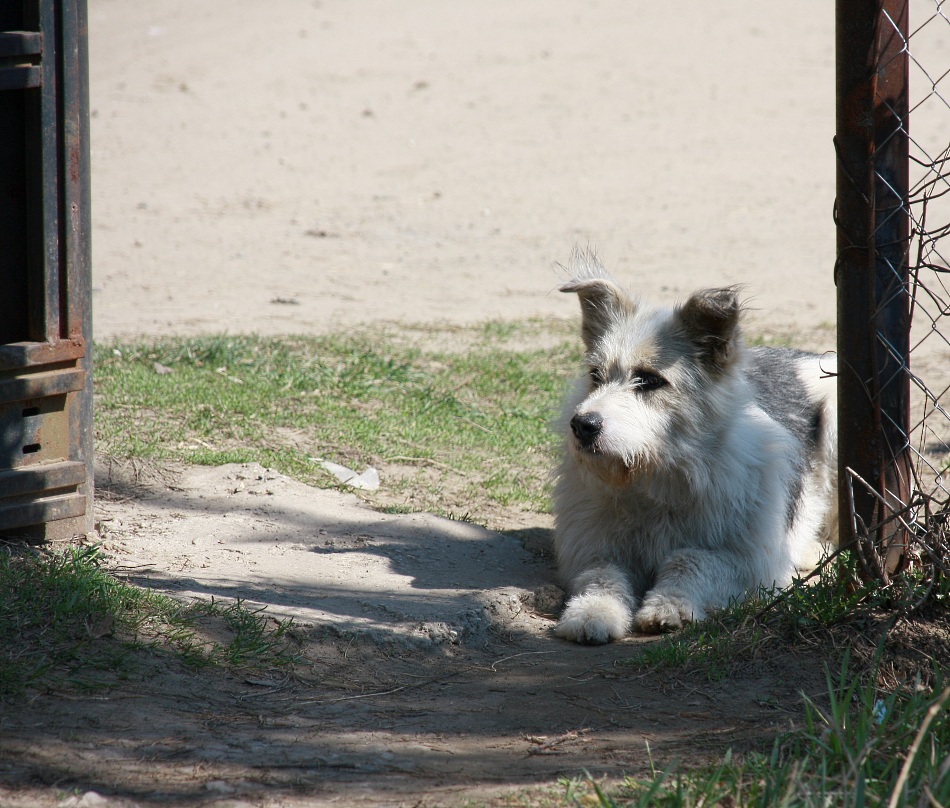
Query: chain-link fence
{"type": "Point", "coordinates": [893, 277]}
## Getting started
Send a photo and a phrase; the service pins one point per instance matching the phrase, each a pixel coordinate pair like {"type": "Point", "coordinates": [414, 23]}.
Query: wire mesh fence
{"type": "Point", "coordinates": [893, 277]}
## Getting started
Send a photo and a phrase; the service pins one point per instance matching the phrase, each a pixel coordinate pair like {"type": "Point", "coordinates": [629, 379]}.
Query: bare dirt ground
{"type": "Point", "coordinates": [303, 165]}
{"type": "Point", "coordinates": [429, 675]}
{"type": "Point", "coordinates": [308, 166]}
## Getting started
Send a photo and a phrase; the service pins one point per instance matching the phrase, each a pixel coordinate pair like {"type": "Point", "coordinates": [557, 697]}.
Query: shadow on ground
{"type": "Point", "coordinates": [428, 672]}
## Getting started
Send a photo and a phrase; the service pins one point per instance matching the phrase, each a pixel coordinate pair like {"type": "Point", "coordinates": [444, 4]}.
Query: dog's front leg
{"type": "Point", "coordinates": [689, 583]}
{"type": "Point", "coordinates": [600, 608]}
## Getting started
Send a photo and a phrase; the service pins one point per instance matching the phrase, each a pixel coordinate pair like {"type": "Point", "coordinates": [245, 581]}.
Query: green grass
{"type": "Point", "coordinates": [859, 751]}
{"type": "Point", "coordinates": [717, 647]}
{"type": "Point", "coordinates": [872, 740]}
{"type": "Point", "coordinates": [830, 608]}
{"type": "Point", "coordinates": [465, 405]}
{"type": "Point", "coordinates": [67, 622]}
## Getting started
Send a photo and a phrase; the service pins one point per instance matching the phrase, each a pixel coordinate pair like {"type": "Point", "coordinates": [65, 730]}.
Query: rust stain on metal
{"type": "Point", "coordinates": [871, 270]}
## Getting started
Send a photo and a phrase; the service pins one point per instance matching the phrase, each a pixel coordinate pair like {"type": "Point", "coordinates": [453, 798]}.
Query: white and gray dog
{"type": "Point", "coordinates": [696, 469]}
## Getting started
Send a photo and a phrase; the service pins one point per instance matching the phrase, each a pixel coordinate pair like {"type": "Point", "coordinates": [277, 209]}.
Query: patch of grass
{"type": "Point", "coordinates": [880, 735]}
{"type": "Point", "coordinates": [862, 750]}
{"type": "Point", "coordinates": [871, 745]}
{"type": "Point", "coordinates": [67, 622]}
{"type": "Point", "coordinates": [805, 613]}
{"type": "Point", "coordinates": [471, 406]}
{"type": "Point", "coordinates": [716, 647]}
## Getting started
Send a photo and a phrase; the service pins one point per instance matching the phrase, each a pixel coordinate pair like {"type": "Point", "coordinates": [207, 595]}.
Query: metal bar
{"type": "Point", "coordinates": [18, 355]}
{"type": "Point", "coordinates": [47, 326]}
{"type": "Point", "coordinates": [76, 292]}
{"type": "Point", "coordinates": [871, 271]}
{"type": "Point", "coordinates": [20, 77]}
{"type": "Point", "coordinates": [77, 305]}
{"type": "Point", "coordinates": [43, 511]}
{"type": "Point", "coordinates": [20, 43]}
{"type": "Point", "coordinates": [51, 477]}
{"type": "Point", "coordinates": [43, 384]}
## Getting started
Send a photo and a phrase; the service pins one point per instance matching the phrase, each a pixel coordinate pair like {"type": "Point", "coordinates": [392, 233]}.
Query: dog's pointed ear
{"type": "Point", "coordinates": [601, 302]}
{"type": "Point", "coordinates": [710, 319]}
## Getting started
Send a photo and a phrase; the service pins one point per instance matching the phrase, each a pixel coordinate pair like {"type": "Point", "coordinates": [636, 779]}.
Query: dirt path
{"type": "Point", "coordinates": [429, 676]}
{"type": "Point", "coordinates": [377, 727]}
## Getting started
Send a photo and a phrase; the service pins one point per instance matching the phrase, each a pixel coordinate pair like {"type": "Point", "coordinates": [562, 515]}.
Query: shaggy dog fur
{"type": "Point", "coordinates": [695, 470]}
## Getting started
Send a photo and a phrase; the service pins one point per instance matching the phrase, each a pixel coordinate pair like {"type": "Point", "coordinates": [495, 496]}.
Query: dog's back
{"type": "Point", "coordinates": [798, 390]}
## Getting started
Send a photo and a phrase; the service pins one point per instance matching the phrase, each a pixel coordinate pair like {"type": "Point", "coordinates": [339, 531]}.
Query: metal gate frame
{"type": "Point", "coordinates": [46, 430]}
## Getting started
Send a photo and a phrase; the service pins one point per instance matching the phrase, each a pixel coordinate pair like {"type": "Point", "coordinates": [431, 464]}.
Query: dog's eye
{"type": "Point", "coordinates": [644, 380]}
{"type": "Point", "coordinates": [597, 377]}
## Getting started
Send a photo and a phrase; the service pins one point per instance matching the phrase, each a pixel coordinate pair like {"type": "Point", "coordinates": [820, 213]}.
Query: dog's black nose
{"type": "Point", "coordinates": [586, 427]}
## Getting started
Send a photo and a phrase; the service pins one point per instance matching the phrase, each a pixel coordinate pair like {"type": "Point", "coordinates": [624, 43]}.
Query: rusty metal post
{"type": "Point", "coordinates": [46, 466]}
{"type": "Point", "coordinates": [871, 272]}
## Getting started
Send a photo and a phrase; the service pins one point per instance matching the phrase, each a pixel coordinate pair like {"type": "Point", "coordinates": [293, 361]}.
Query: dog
{"type": "Point", "coordinates": [695, 469]}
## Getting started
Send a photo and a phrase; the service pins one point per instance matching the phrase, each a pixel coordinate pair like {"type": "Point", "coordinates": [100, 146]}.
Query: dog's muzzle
{"type": "Point", "coordinates": [586, 428]}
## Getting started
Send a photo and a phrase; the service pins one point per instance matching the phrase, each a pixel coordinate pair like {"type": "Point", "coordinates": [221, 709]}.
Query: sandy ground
{"type": "Point", "coordinates": [312, 165]}
{"type": "Point", "coordinates": [298, 166]}
{"type": "Point", "coordinates": [321, 558]}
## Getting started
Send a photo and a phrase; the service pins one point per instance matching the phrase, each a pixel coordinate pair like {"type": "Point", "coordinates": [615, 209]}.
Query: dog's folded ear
{"type": "Point", "coordinates": [602, 303]}
{"type": "Point", "coordinates": [710, 319]}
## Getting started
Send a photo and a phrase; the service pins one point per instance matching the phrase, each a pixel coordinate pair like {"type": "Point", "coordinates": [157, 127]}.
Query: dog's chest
{"type": "Point", "coordinates": [647, 530]}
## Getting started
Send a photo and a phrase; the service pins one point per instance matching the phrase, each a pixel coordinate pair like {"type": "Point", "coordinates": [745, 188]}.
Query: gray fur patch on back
{"type": "Point", "coordinates": [782, 393]}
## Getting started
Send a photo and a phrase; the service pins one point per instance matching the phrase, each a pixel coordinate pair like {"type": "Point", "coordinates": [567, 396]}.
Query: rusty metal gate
{"type": "Point", "coordinates": [46, 480]}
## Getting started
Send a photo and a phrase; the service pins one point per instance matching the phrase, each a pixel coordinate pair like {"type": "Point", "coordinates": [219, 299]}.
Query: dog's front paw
{"type": "Point", "coordinates": [594, 619]}
{"type": "Point", "coordinates": [660, 613]}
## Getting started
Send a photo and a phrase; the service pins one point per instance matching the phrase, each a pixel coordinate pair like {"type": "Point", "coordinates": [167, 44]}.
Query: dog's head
{"type": "Point", "coordinates": [659, 381]}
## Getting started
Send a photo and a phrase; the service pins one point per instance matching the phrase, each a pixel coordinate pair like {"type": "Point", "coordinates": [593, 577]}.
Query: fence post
{"type": "Point", "coordinates": [871, 273]}
{"type": "Point", "coordinates": [46, 426]}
